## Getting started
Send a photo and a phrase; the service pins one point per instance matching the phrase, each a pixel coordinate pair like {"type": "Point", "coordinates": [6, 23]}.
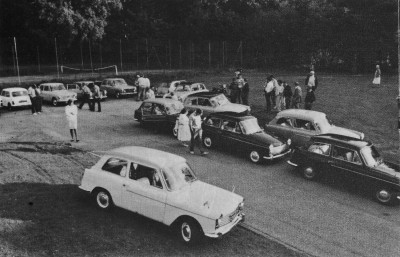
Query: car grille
{"type": "Point", "coordinates": [230, 217]}
{"type": "Point", "coordinates": [278, 149]}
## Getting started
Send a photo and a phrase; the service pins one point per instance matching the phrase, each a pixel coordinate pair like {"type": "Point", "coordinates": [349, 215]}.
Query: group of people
{"type": "Point", "coordinates": [239, 89]}
{"type": "Point", "coordinates": [91, 96]}
{"type": "Point", "coordinates": [279, 95]}
{"type": "Point", "coordinates": [36, 99]}
{"type": "Point", "coordinates": [188, 126]}
{"type": "Point", "coordinates": [143, 85]}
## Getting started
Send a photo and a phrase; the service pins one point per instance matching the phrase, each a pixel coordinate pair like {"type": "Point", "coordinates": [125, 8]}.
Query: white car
{"type": "Point", "coordinates": [184, 90]}
{"type": "Point", "coordinates": [163, 187]}
{"type": "Point", "coordinates": [56, 93]}
{"type": "Point", "coordinates": [15, 97]}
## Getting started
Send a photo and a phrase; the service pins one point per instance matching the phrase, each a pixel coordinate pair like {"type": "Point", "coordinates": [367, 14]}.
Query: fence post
{"type": "Point", "coordinates": [55, 44]}
{"type": "Point", "coordinates": [120, 53]}
{"type": "Point", "coordinates": [38, 57]}
{"type": "Point", "coordinates": [16, 58]}
{"type": "Point", "coordinates": [13, 54]}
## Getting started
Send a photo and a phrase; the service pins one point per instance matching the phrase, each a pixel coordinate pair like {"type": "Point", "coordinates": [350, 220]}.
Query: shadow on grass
{"type": "Point", "coordinates": [60, 220]}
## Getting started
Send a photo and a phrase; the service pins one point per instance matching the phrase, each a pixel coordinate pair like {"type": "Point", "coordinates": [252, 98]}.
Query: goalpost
{"type": "Point", "coordinates": [113, 67]}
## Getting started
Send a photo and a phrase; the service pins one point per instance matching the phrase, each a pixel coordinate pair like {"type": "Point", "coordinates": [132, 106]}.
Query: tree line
{"type": "Point", "coordinates": [351, 34]}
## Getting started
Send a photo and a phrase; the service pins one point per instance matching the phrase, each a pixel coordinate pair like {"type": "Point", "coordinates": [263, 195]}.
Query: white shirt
{"type": "Point", "coordinates": [71, 111]}
{"type": "Point", "coordinates": [311, 81]}
{"type": "Point", "coordinates": [142, 82]}
{"type": "Point", "coordinates": [196, 122]}
{"type": "Point", "coordinates": [31, 92]}
{"type": "Point", "coordinates": [269, 87]}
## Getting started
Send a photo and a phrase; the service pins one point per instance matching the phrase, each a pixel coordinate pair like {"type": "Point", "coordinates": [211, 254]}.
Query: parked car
{"type": "Point", "coordinates": [159, 112]}
{"type": "Point", "coordinates": [14, 97]}
{"type": "Point", "coordinates": [210, 102]}
{"type": "Point", "coordinates": [355, 159]}
{"type": "Point", "coordinates": [77, 88]}
{"type": "Point", "coordinates": [184, 90]}
{"type": "Point", "coordinates": [162, 187]}
{"type": "Point", "coordinates": [241, 132]}
{"type": "Point", "coordinates": [300, 125]}
{"type": "Point", "coordinates": [117, 87]}
{"type": "Point", "coordinates": [165, 88]}
{"type": "Point", "coordinates": [56, 93]}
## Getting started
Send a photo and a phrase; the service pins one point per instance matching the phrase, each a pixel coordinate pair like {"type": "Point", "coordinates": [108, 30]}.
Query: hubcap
{"type": "Point", "coordinates": [207, 142]}
{"type": "Point", "coordinates": [309, 173]}
{"type": "Point", "coordinates": [254, 156]}
{"type": "Point", "coordinates": [383, 196]}
{"type": "Point", "coordinates": [103, 200]}
{"type": "Point", "coordinates": [186, 232]}
{"type": "Point", "coordinates": [54, 102]}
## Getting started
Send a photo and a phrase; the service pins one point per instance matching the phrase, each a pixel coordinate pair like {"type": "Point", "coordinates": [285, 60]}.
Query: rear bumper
{"type": "Point", "coordinates": [225, 229]}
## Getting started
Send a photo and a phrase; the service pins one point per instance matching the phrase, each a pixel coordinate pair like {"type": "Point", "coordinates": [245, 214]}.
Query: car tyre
{"type": "Point", "coordinates": [255, 156]}
{"type": "Point", "coordinates": [103, 199]}
{"type": "Point", "coordinates": [208, 142]}
{"type": "Point", "coordinates": [384, 196]}
{"type": "Point", "coordinates": [54, 101]}
{"type": "Point", "coordinates": [309, 173]}
{"type": "Point", "coordinates": [189, 231]}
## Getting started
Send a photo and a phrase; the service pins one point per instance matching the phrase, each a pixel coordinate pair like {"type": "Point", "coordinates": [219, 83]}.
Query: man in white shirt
{"type": "Point", "coordinates": [278, 95]}
{"type": "Point", "coordinates": [268, 88]}
{"type": "Point", "coordinates": [196, 132]}
{"type": "Point", "coordinates": [142, 83]}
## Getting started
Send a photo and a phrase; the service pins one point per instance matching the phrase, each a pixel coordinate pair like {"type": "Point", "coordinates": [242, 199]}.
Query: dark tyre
{"type": "Point", "coordinates": [255, 156]}
{"type": "Point", "coordinates": [54, 102]}
{"type": "Point", "coordinates": [385, 196]}
{"type": "Point", "coordinates": [208, 142]}
{"type": "Point", "coordinates": [103, 199]}
{"type": "Point", "coordinates": [309, 173]}
{"type": "Point", "coordinates": [189, 231]}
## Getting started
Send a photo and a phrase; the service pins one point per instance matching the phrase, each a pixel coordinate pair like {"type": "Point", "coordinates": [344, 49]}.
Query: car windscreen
{"type": "Point", "coordinates": [19, 93]}
{"type": "Point", "coordinates": [58, 87]}
{"type": "Point", "coordinates": [219, 100]}
{"type": "Point", "coordinates": [119, 82]}
{"type": "Point", "coordinates": [174, 108]}
{"type": "Point", "coordinates": [250, 126]}
{"type": "Point", "coordinates": [178, 176]}
{"type": "Point", "coordinates": [371, 156]}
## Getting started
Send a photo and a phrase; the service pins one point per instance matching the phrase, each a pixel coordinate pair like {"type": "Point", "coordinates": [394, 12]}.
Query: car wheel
{"type": "Point", "coordinates": [255, 156]}
{"type": "Point", "coordinates": [384, 196]}
{"type": "Point", "coordinates": [189, 231]}
{"type": "Point", "coordinates": [103, 199]}
{"type": "Point", "coordinates": [207, 141]}
{"type": "Point", "coordinates": [117, 95]}
{"type": "Point", "coordinates": [309, 173]}
{"type": "Point", "coordinates": [54, 102]}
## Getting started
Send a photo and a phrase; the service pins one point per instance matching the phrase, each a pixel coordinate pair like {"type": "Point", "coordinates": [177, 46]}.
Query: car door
{"type": "Point", "coordinates": [212, 129]}
{"type": "Point", "coordinates": [157, 114]}
{"type": "Point", "coordinates": [144, 192]}
{"type": "Point", "coordinates": [205, 105]}
{"type": "Point", "coordinates": [318, 156]}
{"type": "Point", "coordinates": [303, 130]}
{"type": "Point", "coordinates": [229, 133]}
{"type": "Point", "coordinates": [347, 162]}
{"type": "Point", "coordinates": [45, 92]}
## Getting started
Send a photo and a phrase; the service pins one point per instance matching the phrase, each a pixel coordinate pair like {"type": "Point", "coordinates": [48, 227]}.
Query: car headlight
{"type": "Point", "coordinates": [362, 136]}
{"type": "Point", "coordinates": [241, 205]}
{"type": "Point", "coordinates": [289, 141]}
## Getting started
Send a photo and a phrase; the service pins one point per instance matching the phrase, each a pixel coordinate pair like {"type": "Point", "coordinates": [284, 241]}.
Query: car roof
{"type": "Point", "coordinates": [205, 94]}
{"type": "Point", "coordinates": [161, 101]}
{"type": "Point", "coordinates": [146, 156]}
{"type": "Point", "coordinates": [301, 114]}
{"type": "Point", "coordinates": [231, 115]}
{"type": "Point", "coordinates": [113, 78]}
{"type": "Point", "coordinates": [13, 89]}
{"type": "Point", "coordinates": [341, 140]}
{"type": "Point", "coordinates": [85, 81]}
{"type": "Point", "coordinates": [51, 84]}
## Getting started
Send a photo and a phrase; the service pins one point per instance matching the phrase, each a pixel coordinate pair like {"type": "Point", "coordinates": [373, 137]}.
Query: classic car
{"type": "Point", "coordinates": [354, 159]}
{"type": "Point", "coordinates": [210, 102]}
{"type": "Point", "coordinates": [300, 125]}
{"type": "Point", "coordinates": [162, 187]}
{"type": "Point", "coordinates": [77, 88]}
{"type": "Point", "coordinates": [159, 112]}
{"type": "Point", "coordinates": [165, 88]}
{"type": "Point", "coordinates": [117, 87]}
{"type": "Point", "coordinates": [56, 93]}
{"type": "Point", "coordinates": [242, 132]}
{"type": "Point", "coordinates": [14, 97]}
{"type": "Point", "coordinates": [184, 90]}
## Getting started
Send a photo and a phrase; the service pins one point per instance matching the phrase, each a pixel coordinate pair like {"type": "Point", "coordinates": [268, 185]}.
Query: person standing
{"type": "Point", "coordinates": [196, 132]}
{"type": "Point", "coordinates": [245, 93]}
{"type": "Point", "coordinates": [142, 83]}
{"type": "Point", "coordinates": [268, 92]}
{"type": "Point", "coordinates": [87, 94]}
{"type": "Point", "coordinates": [96, 98]}
{"type": "Point", "coordinates": [287, 94]}
{"type": "Point", "coordinates": [297, 96]}
{"type": "Point", "coordinates": [311, 80]}
{"type": "Point", "coordinates": [310, 98]}
{"type": "Point", "coordinates": [184, 135]}
{"type": "Point", "coordinates": [240, 84]}
{"type": "Point", "coordinates": [234, 90]}
{"type": "Point", "coordinates": [32, 96]}
{"type": "Point", "coordinates": [278, 95]}
{"type": "Point", "coordinates": [377, 76]}
{"type": "Point", "coordinates": [39, 99]}
{"type": "Point", "coordinates": [71, 111]}
{"type": "Point", "coordinates": [149, 94]}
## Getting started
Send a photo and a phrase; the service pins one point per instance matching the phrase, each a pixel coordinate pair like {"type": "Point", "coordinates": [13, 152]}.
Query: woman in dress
{"type": "Point", "coordinates": [71, 111]}
{"type": "Point", "coordinates": [183, 128]}
{"type": "Point", "coordinates": [377, 76]}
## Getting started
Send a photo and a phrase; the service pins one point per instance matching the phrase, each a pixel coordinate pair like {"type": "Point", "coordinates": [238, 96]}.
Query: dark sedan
{"type": "Point", "coordinates": [242, 132]}
{"type": "Point", "coordinates": [356, 160]}
{"type": "Point", "coordinates": [159, 112]}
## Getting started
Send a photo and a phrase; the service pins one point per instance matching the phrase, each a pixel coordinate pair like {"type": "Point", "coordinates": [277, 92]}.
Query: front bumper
{"type": "Point", "coordinates": [228, 227]}
{"type": "Point", "coordinates": [277, 156]}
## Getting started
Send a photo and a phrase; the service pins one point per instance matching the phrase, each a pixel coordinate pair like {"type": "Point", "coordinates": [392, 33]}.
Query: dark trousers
{"type": "Point", "coordinates": [273, 97]}
{"type": "Point", "coordinates": [268, 101]}
{"type": "Point", "coordinates": [287, 102]}
{"type": "Point", "coordinates": [98, 101]}
{"type": "Point", "coordinates": [86, 99]}
{"type": "Point", "coordinates": [33, 104]}
{"type": "Point", "coordinates": [39, 103]}
{"type": "Point", "coordinates": [234, 96]}
{"type": "Point", "coordinates": [245, 98]}
{"type": "Point", "coordinates": [196, 141]}
{"type": "Point", "coordinates": [308, 105]}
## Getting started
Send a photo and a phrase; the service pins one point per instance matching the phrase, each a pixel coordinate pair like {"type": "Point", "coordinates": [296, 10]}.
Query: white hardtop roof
{"type": "Point", "coordinates": [302, 114]}
{"type": "Point", "coordinates": [51, 84]}
{"type": "Point", "coordinates": [14, 89]}
{"type": "Point", "coordinates": [152, 157]}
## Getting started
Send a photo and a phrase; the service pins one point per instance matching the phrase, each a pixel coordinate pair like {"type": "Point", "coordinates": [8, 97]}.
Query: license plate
{"type": "Point", "coordinates": [23, 101]}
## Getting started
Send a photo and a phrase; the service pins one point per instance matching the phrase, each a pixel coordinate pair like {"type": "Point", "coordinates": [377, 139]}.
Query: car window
{"type": "Point", "coordinates": [229, 126]}
{"type": "Point", "coordinates": [345, 154]}
{"type": "Point", "coordinates": [304, 124]}
{"type": "Point", "coordinates": [19, 93]}
{"type": "Point", "coordinates": [193, 101]}
{"type": "Point", "coordinates": [146, 108]}
{"type": "Point", "coordinates": [158, 109]}
{"type": "Point", "coordinates": [116, 166]}
{"type": "Point", "coordinates": [320, 148]}
{"type": "Point", "coordinates": [145, 174]}
{"type": "Point", "coordinates": [286, 122]}
{"type": "Point", "coordinates": [3, 93]}
{"type": "Point", "coordinates": [7, 94]}
{"type": "Point", "coordinates": [213, 122]}
{"type": "Point", "coordinates": [204, 102]}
